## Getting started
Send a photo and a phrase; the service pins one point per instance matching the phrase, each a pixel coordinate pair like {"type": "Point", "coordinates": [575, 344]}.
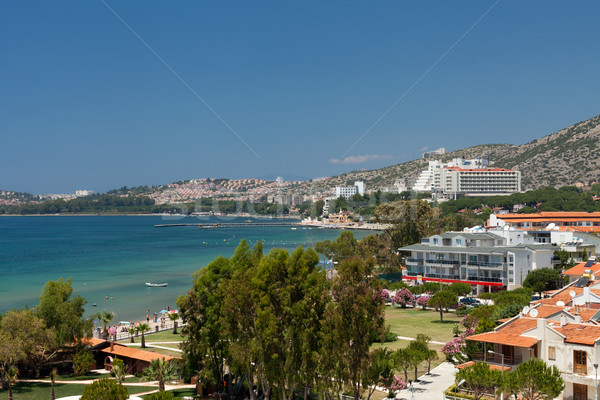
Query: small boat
{"type": "Point", "coordinates": [156, 284]}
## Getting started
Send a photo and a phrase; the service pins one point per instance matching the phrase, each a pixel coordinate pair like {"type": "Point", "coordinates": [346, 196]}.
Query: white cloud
{"type": "Point", "coordinates": [359, 159]}
{"type": "Point", "coordinates": [424, 149]}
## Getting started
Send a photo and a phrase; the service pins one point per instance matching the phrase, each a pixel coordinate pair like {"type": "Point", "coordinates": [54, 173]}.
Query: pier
{"type": "Point", "coordinates": [234, 225]}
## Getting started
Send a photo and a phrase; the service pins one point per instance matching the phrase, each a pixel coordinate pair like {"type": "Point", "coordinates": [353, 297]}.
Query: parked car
{"type": "Point", "coordinates": [469, 301]}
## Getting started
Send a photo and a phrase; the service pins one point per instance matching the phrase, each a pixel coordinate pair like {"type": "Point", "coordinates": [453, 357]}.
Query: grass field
{"type": "Point", "coordinates": [163, 336]}
{"type": "Point", "coordinates": [35, 390]}
{"type": "Point", "coordinates": [409, 322]}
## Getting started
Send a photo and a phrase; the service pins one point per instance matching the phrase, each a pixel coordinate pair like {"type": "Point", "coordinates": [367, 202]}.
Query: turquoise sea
{"type": "Point", "coordinates": [115, 255]}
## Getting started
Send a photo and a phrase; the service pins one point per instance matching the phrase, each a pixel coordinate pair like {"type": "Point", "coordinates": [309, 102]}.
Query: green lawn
{"type": "Point", "coordinates": [163, 336]}
{"type": "Point", "coordinates": [178, 393]}
{"type": "Point", "coordinates": [409, 322]}
{"type": "Point", "coordinates": [38, 390]}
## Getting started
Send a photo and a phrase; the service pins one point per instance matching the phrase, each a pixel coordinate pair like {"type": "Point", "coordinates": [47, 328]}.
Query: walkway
{"type": "Point", "coordinates": [410, 338]}
{"type": "Point", "coordinates": [431, 386]}
{"type": "Point", "coordinates": [154, 344]}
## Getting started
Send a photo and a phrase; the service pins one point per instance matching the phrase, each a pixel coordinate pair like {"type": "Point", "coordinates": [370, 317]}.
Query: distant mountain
{"type": "Point", "coordinates": [567, 157]}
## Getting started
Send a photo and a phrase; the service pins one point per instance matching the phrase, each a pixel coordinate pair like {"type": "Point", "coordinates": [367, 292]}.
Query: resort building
{"type": "Point", "coordinates": [563, 330]}
{"type": "Point", "coordinates": [489, 261]}
{"type": "Point", "coordinates": [135, 360]}
{"type": "Point", "coordinates": [349, 191]}
{"type": "Point", "coordinates": [453, 182]}
{"type": "Point", "coordinates": [559, 220]}
{"type": "Point", "coordinates": [461, 177]}
{"type": "Point", "coordinates": [434, 153]}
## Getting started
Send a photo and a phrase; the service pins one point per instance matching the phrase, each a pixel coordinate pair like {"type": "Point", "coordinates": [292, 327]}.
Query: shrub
{"type": "Point", "coordinates": [403, 297]}
{"type": "Point", "coordinates": [83, 361]}
{"type": "Point", "coordinates": [104, 389]}
{"type": "Point", "coordinates": [161, 396]}
{"type": "Point", "coordinates": [422, 301]}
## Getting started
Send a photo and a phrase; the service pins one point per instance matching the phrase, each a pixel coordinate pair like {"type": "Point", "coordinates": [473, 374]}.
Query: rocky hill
{"type": "Point", "coordinates": [567, 157]}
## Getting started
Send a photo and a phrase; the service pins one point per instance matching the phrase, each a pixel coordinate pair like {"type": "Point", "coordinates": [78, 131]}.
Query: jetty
{"type": "Point", "coordinates": [234, 225]}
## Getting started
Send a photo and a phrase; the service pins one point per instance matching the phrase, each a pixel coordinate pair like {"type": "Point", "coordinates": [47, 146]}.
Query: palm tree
{"type": "Point", "coordinates": [143, 328]}
{"type": "Point", "coordinates": [119, 373]}
{"type": "Point", "coordinates": [105, 317]}
{"type": "Point", "coordinates": [53, 374]}
{"type": "Point", "coordinates": [10, 375]}
{"type": "Point", "coordinates": [131, 331]}
{"type": "Point", "coordinates": [161, 371]}
{"type": "Point", "coordinates": [174, 317]}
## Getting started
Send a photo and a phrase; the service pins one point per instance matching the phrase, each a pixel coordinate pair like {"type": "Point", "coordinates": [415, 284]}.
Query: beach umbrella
{"type": "Point", "coordinates": [163, 311]}
{"type": "Point", "coordinates": [124, 323]}
{"type": "Point", "coordinates": [173, 311]}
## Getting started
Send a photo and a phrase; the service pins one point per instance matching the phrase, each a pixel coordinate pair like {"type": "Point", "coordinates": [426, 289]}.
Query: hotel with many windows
{"type": "Point", "coordinates": [489, 261]}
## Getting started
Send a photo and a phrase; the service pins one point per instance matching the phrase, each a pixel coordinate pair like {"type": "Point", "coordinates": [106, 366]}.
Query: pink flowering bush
{"type": "Point", "coordinates": [403, 297]}
{"type": "Point", "coordinates": [422, 301]}
{"type": "Point", "coordinates": [397, 384]}
{"type": "Point", "coordinates": [454, 347]}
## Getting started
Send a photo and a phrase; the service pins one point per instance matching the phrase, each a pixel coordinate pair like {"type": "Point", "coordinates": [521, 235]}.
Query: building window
{"type": "Point", "coordinates": [551, 353]}
{"type": "Point", "coordinates": [435, 241]}
{"type": "Point", "coordinates": [459, 242]}
{"type": "Point", "coordinates": [580, 362]}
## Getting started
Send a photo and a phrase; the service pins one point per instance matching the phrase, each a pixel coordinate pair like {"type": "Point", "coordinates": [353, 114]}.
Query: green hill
{"type": "Point", "coordinates": [566, 157]}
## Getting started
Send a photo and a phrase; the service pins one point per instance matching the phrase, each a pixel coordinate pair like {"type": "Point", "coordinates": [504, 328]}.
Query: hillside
{"type": "Point", "coordinates": [567, 157]}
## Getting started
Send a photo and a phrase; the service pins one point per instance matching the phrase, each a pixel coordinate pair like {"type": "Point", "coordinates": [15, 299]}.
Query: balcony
{"type": "Point", "coordinates": [418, 261]}
{"type": "Point", "coordinates": [484, 264]}
{"type": "Point", "coordinates": [484, 279]}
{"type": "Point", "coordinates": [509, 359]}
{"type": "Point", "coordinates": [440, 261]}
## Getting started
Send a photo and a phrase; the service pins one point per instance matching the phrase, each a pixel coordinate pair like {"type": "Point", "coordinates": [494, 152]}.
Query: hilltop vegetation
{"type": "Point", "coordinates": [566, 157]}
{"type": "Point", "coordinates": [567, 198]}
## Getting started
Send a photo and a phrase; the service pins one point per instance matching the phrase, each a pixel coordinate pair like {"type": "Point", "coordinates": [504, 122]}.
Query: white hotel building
{"type": "Point", "coordinates": [461, 177]}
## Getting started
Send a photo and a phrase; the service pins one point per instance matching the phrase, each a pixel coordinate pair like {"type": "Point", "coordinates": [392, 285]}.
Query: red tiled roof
{"type": "Point", "coordinates": [586, 334]}
{"type": "Point", "coordinates": [577, 215]}
{"type": "Point", "coordinates": [510, 334]}
{"type": "Point", "coordinates": [124, 351]}
{"type": "Point", "coordinates": [579, 269]}
{"type": "Point", "coordinates": [491, 366]}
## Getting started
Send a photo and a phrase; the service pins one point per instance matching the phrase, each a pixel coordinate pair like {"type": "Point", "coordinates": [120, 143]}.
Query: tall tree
{"type": "Point", "coordinates": [105, 317]}
{"type": "Point", "coordinates": [143, 328]}
{"type": "Point", "coordinates": [354, 318]}
{"type": "Point", "coordinates": [201, 310]}
{"type": "Point", "coordinates": [380, 371]}
{"type": "Point", "coordinates": [30, 337]}
{"type": "Point", "coordinates": [480, 379]}
{"type": "Point", "coordinates": [443, 300]}
{"type": "Point", "coordinates": [543, 279]}
{"type": "Point", "coordinates": [63, 311]}
{"type": "Point", "coordinates": [536, 380]}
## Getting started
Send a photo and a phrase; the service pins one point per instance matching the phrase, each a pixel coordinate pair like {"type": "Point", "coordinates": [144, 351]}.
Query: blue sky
{"type": "Point", "coordinates": [84, 104]}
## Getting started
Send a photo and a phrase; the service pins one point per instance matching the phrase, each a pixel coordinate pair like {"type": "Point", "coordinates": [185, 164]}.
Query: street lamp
{"type": "Point", "coordinates": [596, 367]}
{"type": "Point", "coordinates": [502, 371]}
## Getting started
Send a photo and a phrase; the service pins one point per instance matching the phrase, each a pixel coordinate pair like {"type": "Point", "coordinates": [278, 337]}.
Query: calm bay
{"type": "Point", "coordinates": [115, 255]}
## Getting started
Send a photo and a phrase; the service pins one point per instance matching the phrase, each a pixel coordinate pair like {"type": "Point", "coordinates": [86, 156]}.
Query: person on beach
{"type": "Point", "coordinates": [148, 318]}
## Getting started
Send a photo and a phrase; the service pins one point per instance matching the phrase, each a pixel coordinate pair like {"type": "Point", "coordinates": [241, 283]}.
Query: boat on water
{"type": "Point", "coordinates": [149, 284]}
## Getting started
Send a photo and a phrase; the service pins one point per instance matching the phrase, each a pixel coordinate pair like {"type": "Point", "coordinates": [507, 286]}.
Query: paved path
{"type": "Point", "coordinates": [410, 338]}
{"type": "Point", "coordinates": [156, 345]}
{"type": "Point", "coordinates": [431, 386]}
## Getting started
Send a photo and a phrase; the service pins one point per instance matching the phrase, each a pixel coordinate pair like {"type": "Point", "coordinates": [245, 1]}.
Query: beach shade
{"type": "Point", "coordinates": [124, 323]}
{"type": "Point", "coordinates": [163, 311]}
{"type": "Point", "coordinates": [173, 311]}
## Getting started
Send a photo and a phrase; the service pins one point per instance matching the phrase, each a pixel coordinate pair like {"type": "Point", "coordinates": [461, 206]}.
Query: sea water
{"type": "Point", "coordinates": [113, 256]}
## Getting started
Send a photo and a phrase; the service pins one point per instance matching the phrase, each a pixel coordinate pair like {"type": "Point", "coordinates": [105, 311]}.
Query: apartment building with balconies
{"type": "Point", "coordinates": [563, 330]}
{"type": "Point", "coordinates": [489, 261]}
